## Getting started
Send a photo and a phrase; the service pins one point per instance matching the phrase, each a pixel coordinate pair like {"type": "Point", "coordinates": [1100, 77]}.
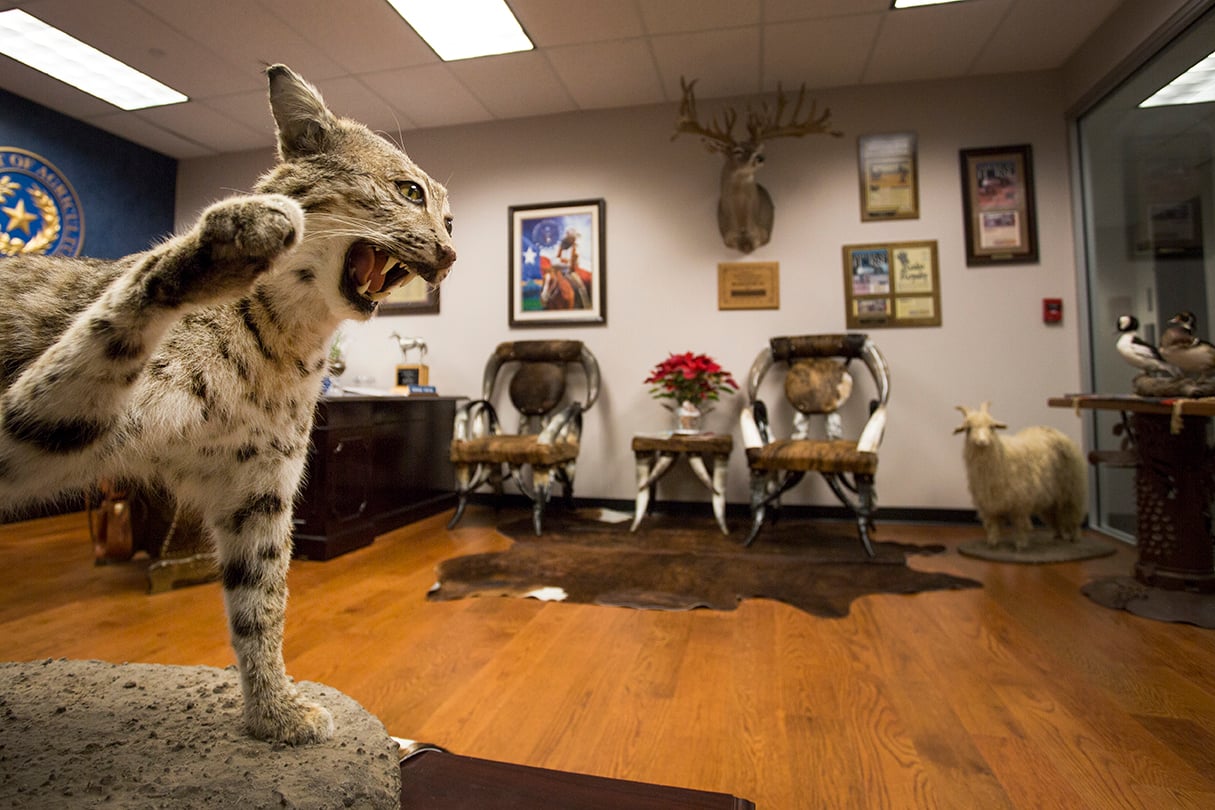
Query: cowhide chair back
{"type": "Point", "coordinates": [544, 445]}
{"type": "Point", "coordinates": [817, 383]}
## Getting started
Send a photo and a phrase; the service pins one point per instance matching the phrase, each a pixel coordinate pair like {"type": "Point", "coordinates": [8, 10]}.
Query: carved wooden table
{"type": "Point", "coordinates": [657, 452]}
{"type": "Point", "coordinates": [1174, 484]}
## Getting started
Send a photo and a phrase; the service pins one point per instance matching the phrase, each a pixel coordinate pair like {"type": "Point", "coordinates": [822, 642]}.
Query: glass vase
{"type": "Point", "coordinates": [687, 418]}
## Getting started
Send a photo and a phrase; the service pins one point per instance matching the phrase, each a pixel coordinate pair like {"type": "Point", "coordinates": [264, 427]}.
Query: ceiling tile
{"type": "Point", "coordinates": [514, 85]}
{"type": "Point", "coordinates": [148, 135]}
{"type": "Point", "coordinates": [933, 42]}
{"type": "Point", "coordinates": [251, 109]}
{"type": "Point", "coordinates": [430, 96]}
{"type": "Point", "coordinates": [195, 122]}
{"type": "Point", "coordinates": [1070, 25]}
{"type": "Point", "coordinates": [726, 62]}
{"type": "Point", "coordinates": [608, 74]}
{"type": "Point", "coordinates": [236, 33]}
{"type": "Point", "coordinates": [350, 98]}
{"type": "Point", "coordinates": [365, 37]}
{"type": "Point", "coordinates": [671, 16]}
{"type": "Point", "coordinates": [127, 32]}
{"type": "Point", "coordinates": [829, 52]}
{"type": "Point", "coordinates": [563, 22]}
{"type": "Point", "coordinates": [782, 10]}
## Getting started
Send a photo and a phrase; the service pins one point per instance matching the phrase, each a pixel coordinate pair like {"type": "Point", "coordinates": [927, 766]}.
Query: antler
{"type": "Point", "coordinates": [766, 123]}
{"type": "Point", "coordinates": [717, 138]}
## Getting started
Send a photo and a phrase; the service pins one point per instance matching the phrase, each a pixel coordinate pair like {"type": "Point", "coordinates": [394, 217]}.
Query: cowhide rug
{"type": "Point", "coordinates": [679, 564]}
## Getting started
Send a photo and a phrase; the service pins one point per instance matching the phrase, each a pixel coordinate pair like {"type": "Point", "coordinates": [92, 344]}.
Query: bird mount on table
{"type": "Point", "coordinates": [1182, 365]}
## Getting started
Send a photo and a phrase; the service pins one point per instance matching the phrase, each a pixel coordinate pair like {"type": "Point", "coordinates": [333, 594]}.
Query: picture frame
{"type": "Point", "coordinates": [748, 285]}
{"type": "Point", "coordinates": [892, 284]}
{"type": "Point", "coordinates": [889, 176]}
{"type": "Point", "coordinates": [1164, 197]}
{"type": "Point", "coordinates": [415, 297]}
{"type": "Point", "coordinates": [557, 264]}
{"type": "Point", "coordinates": [998, 203]}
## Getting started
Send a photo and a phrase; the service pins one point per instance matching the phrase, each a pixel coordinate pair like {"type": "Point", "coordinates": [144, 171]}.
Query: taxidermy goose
{"type": "Point", "coordinates": [1181, 347]}
{"type": "Point", "coordinates": [1138, 352]}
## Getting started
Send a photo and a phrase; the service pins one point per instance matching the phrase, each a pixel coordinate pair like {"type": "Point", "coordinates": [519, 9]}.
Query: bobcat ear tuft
{"type": "Point", "coordinates": [305, 124]}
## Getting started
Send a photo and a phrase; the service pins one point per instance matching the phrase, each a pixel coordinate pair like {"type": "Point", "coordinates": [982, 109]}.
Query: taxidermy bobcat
{"type": "Point", "coordinates": [196, 365]}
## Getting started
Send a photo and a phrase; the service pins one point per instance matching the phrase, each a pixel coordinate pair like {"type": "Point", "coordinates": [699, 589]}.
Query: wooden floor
{"type": "Point", "coordinates": [1020, 694]}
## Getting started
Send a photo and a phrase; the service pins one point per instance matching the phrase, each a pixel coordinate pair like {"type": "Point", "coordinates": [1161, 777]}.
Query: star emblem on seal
{"type": "Point", "coordinates": [42, 209]}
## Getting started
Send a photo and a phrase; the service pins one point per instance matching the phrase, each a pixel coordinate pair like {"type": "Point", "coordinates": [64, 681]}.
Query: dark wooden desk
{"type": "Point", "coordinates": [1174, 485]}
{"type": "Point", "coordinates": [376, 463]}
{"type": "Point", "coordinates": [437, 780]}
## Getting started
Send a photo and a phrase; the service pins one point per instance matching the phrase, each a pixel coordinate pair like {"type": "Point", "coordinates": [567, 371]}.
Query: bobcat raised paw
{"type": "Point", "coordinates": [234, 242]}
{"type": "Point", "coordinates": [253, 229]}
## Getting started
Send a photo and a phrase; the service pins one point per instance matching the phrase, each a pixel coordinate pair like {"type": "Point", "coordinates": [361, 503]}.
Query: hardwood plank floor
{"type": "Point", "coordinates": [1022, 694]}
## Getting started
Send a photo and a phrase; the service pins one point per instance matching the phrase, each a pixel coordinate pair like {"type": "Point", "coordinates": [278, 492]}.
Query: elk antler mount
{"type": "Point", "coordinates": [745, 211]}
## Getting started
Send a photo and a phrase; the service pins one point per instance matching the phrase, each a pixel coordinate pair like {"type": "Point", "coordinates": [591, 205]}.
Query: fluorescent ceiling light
{"type": "Point", "coordinates": [914, 3]}
{"type": "Point", "coordinates": [31, 41]}
{"type": "Point", "coordinates": [464, 29]}
{"type": "Point", "coordinates": [1194, 86]}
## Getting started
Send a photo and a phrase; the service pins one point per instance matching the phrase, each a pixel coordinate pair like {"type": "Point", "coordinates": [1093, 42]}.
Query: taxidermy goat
{"type": "Point", "coordinates": [1036, 472]}
{"type": "Point", "coordinates": [196, 366]}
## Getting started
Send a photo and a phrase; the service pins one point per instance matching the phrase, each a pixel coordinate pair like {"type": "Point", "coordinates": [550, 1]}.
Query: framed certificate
{"type": "Point", "coordinates": [892, 285]}
{"type": "Point", "coordinates": [998, 198]}
{"type": "Point", "coordinates": [748, 285]}
{"type": "Point", "coordinates": [889, 177]}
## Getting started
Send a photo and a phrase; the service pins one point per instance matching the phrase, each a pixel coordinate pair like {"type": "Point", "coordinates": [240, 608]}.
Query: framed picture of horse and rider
{"type": "Point", "coordinates": [557, 264]}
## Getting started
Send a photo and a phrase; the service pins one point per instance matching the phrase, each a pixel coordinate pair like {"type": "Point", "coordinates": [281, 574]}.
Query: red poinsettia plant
{"type": "Point", "coordinates": [690, 378]}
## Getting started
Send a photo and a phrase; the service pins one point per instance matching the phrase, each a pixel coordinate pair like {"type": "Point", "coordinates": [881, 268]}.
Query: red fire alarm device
{"type": "Point", "coordinates": [1052, 310]}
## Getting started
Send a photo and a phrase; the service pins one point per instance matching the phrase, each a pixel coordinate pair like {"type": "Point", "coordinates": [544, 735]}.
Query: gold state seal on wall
{"type": "Point", "coordinates": [39, 210]}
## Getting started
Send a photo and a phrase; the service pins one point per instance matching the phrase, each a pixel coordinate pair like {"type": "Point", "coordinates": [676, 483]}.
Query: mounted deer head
{"type": "Point", "coordinates": [745, 210]}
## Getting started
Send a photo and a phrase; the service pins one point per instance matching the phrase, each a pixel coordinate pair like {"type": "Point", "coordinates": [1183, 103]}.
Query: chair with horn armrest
{"type": "Point", "coordinates": [547, 439]}
{"type": "Point", "coordinates": [817, 383]}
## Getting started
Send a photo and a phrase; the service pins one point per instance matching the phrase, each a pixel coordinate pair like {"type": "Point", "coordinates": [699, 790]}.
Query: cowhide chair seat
{"type": "Point", "coordinates": [817, 384]}
{"type": "Point", "coordinates": [545, 444]}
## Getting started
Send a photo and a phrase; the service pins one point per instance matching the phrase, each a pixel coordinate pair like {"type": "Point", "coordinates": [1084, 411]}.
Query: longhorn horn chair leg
{"type": "Point", "coordinates": [759, 503]}
{"type": "Point", "coordinates": [463, 502]}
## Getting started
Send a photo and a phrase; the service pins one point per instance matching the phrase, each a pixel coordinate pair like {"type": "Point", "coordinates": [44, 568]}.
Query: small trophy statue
{"type": "Point", "coordinates": [411, 374]}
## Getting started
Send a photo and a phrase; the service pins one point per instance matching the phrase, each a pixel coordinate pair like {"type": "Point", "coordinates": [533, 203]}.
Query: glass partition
{"type": "Point", "coordinates": [1146, 183]}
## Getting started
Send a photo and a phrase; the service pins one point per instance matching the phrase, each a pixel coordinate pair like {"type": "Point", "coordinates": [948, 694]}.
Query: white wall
{"type": "Point", "coordinates": [663, 249]}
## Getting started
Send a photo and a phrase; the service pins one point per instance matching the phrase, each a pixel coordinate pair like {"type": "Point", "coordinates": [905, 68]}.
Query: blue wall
{"type": "Point", "coordinates": [127, 192]}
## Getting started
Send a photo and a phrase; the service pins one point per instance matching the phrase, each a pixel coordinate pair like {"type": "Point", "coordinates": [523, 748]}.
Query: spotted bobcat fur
{"type": "Point", "coordinates": [196, 365]}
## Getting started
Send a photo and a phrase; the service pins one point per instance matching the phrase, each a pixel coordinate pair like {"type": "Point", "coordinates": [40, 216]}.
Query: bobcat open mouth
{"type": "Point", "coordinates": [374, 273]}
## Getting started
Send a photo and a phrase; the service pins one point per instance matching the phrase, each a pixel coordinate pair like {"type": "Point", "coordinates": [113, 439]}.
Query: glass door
{"type": "Point", "coordinates": [1146, 183]}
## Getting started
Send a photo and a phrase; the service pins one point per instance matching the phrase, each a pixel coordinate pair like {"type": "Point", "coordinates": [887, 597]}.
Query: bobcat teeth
{"type": "Point", "coordinates": [405, 279]}
{"type": "Point", "coordinates": [379, 296]}
{"type": "Point", "coordinates": [364, 287]}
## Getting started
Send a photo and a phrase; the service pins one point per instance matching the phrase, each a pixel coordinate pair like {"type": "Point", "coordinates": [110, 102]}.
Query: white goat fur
{"type": "Point", "coordinates": [1036, 472]}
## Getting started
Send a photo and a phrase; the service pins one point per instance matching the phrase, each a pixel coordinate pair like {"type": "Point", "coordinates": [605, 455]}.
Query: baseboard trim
{"type": "Point", "coordinates": [739, 511]}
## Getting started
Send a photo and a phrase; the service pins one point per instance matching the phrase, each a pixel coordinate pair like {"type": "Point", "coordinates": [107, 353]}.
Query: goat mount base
{"type": "Point", "coordinates": [1043, 548]}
